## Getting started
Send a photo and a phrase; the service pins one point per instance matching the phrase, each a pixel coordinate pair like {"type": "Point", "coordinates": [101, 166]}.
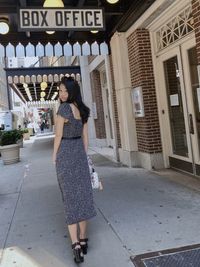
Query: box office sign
{"type": "Point", "coordinates": [42, 19]}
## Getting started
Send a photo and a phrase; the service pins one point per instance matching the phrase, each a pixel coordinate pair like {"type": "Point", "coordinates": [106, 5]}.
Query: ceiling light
{"type": "Point", "coordinates": [112, 1]}
{"type": "Point", "coordinates": [42, 94]}
{"type": "Point", "coordinates": [94, 31]}
{"type": "Point", "coordinates": [53, 3]}
{"type": "Point", "coordinates": [43, 85]}
{"type": "Point", "coordinates": [42, 99]}
{"type": "Point", "coordinates": [50, 32]}
{"type": "Point", "coordinates": [4, 26]}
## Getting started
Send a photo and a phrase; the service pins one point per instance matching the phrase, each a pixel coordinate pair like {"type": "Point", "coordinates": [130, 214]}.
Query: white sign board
{"type": "Point", "coordinates": [174, 101]}
{"type": "Point", "coordinates": [137, 100]}
{"type": "Point", "coordinates": [41, 19]}
{"type": "Point", "coordinates": [6, 120]}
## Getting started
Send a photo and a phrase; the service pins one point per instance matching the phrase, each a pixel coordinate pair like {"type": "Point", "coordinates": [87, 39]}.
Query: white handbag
{"type": "Point", "coordinates": [95, 181]}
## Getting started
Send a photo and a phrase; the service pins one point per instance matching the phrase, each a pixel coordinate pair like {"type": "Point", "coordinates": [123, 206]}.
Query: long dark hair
{"type": "Point", "coordinates": [74, 96]}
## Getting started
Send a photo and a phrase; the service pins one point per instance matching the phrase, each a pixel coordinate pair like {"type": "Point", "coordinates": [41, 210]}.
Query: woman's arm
{"type": "Point", "coordinates": [58, 135]}
{"type": "Point", "coordinates": [85, 136]}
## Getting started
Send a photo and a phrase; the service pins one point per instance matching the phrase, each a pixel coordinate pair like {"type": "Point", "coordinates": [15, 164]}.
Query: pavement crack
{"type": "Point", "coordinates": [114, 231]}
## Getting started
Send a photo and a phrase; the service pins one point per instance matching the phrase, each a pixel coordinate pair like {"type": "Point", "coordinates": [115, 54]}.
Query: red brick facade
{"type": "Point", "coordinates": [97, 98]}
{"type": "Point", "coordinates": [141, 68]}
{"type": "Point", "coordinates": [196, 16]}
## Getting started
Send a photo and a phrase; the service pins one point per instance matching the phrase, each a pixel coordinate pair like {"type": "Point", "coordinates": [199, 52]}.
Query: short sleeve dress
{"type": "Point", "coordinates": [73, 171]}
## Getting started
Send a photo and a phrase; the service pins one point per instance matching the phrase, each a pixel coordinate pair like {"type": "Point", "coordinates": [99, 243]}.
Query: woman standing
{"type": "Point", "coordinates": [70, 156]}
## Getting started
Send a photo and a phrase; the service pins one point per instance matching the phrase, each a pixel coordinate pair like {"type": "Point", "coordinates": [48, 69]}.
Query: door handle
{"type": "Point", "coordinates": [191, 124]}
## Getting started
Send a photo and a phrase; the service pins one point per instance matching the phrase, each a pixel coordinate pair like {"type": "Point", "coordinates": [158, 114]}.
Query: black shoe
{"type": "Point", "coordinates": [84, 246]}
{"type": "Point", "coordinates": [78, 255]}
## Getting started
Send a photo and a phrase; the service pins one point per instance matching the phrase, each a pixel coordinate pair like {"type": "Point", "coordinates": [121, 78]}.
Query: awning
{"type": "Point", "coordinates": [33, 77]}
{"type": "Point", "coordinates": [50, 50]}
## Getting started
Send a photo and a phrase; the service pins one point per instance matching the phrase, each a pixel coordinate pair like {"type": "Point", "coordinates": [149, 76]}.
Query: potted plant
{"type": "Point", "coordinates": [8, 146]}
{"type": "Point", "coordinates": [26, 134]}
{"type": "Point", "coordinates": [19, 136]}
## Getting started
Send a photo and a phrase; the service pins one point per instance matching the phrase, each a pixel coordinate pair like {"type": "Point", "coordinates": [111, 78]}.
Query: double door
{"type": "Point", "coordinates": [179, 102]}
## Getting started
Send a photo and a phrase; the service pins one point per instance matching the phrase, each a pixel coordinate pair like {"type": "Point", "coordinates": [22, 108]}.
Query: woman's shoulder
{"type": "Point", "coordinates": [64, 109]}
{"type": "Point", "coordinates": [64, 106]}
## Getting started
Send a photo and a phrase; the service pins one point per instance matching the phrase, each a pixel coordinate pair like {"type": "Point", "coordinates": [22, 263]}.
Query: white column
{"type": "Point", "coordinates": [111, 104]}
{"type": "Point", "coordinates": [121, 69]}
{"type": "Point", "coordinates": [87, 97]}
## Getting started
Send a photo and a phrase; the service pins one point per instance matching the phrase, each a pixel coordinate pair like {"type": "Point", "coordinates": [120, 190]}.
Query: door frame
{"type": "Point", "coordinates": [106, 108]}
{"type": "Point", "coordinates": [190, 102]}
{"type": "Point", "coordinates": [163, 105]}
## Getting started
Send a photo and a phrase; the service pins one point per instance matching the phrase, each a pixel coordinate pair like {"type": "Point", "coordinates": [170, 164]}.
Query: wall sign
{"type": "Point", "coordinates": [137, 101]}
{"type": "Point", "coordinates": [42, 19]}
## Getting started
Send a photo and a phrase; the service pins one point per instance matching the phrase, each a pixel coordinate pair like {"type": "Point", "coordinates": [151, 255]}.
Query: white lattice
{"type": "Point", "coordinates": [174, 30]}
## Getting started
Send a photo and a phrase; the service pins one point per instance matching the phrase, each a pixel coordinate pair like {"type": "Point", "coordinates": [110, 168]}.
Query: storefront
{"type": "Point", "coordinates": [177, 84]}
{"type": "Point", "coordinates": [161, 49]}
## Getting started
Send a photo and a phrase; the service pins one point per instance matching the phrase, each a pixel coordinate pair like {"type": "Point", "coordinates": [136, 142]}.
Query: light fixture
{"type": "Point", "coordinates": [42, 94]}
{"type": "Point", "coordinates": [112, 1]}
{"type": "Point", "coordinates": [42, 99]}
{"type": "Point", "coordinates": [43, 85]}
{"type": "Point", "coordinates": [50, 32]}
{"type": "Point", "coordinates": [53, 3]}
{"type": "Point", "coordinates": [94, 31]}
{"type": "Point", "coordinates": [4, 26]}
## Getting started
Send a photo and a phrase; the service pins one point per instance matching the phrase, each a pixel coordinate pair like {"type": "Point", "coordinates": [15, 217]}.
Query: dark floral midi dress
{"type": "Point", "coordinates": [73, 171]}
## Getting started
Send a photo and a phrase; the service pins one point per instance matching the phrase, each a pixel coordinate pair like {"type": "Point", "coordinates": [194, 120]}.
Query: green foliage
{"type": "Point", "coordinates": [10, 137]}
{"type": "Point", "coordinates": [25, 130]}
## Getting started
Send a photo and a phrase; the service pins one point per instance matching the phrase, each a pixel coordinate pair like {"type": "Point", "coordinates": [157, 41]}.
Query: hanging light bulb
{"type": "Point", "coordinates": [43, 85]}
{"type": "Point", "coordinates": [94, 31]}
{"type": "Point", "coordinates": [50, 32]}
{"type": "Point", "coordinates": [53, 3]}
{"type": "Point", "coordinates": [4, 26]}
{"type": "Point", "coordinates": [42, 99]}
{"type": "Point", "coordinates": [42, 94]}
{"type": "Point", "coordinates": [112, 1]}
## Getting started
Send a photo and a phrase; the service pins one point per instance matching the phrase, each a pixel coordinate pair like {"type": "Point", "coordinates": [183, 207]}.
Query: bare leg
{"type": "Point", "coordinates": [78, 255]}
{"type": "Point", "coordinates": [73, 232]}
{"type": "Point", "coordinates": [83, 239]}
{"type": "Point", "coordinates": [83, 228]}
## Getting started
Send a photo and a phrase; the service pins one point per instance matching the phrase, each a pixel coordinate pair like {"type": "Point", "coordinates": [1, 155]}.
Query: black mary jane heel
{"type": "Point", "coordinates": [84, 247]}
{"type": "Point", "coordinates": [77, 251]}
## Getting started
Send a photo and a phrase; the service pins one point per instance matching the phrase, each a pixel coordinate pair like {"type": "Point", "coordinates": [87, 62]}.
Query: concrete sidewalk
{"type": "Point", "coordinates": [138, 211]}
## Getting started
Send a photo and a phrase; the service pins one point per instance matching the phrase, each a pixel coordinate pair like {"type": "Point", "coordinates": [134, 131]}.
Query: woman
{"type": "Point", "coordinates": [70, 155]}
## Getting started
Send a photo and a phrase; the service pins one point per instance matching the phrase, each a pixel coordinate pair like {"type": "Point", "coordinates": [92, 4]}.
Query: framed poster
{"type": "Point", "coordinates": [137, 101]}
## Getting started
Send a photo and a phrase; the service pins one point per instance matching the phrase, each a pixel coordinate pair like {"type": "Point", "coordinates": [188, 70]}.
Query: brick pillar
{"type": "Point", "coordinates": [97, 98]}
{"type": "Point", "coordinates": [196, 16]}
{"type": "Point", "coordinates": [141, 69]}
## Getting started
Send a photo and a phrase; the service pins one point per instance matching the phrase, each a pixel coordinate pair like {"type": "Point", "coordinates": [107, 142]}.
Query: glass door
{"type": "Point", "coordinates": [191, 75]}
{"type": "Point", "coordinates": [175, 107]}
{"type": "Point", "coordinates": [174, 119]}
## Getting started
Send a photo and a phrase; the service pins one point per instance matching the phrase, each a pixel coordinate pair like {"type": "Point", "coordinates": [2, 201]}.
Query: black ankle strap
{"type": "Point", "coordinates": [83, 240]}
{"type": "Point", "coordinates": [75, 244]}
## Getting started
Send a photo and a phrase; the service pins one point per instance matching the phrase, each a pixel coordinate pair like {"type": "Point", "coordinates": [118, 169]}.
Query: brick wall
{"type": "Point", "coordinates": [97, 98]}
{"type": "Point", "coordinates": [141, 68]}
{"type": "Point", "coordinates": [115, 104]}
{"type": "Point", "coordinates": [196, 16]}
